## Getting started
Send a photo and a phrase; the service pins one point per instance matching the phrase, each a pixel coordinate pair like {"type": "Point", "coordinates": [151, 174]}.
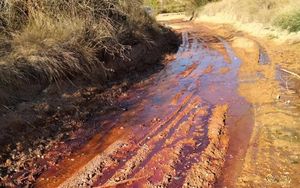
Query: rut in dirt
{"type": "Point", "coordinates": [173, 131]}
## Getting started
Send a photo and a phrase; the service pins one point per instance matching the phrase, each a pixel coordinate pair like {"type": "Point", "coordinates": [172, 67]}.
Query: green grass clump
{"type": "Point", "coordinates": [199, 3]}
{"type": "Point", "coordinates": [290, 22]}
{"type": "Point", "coordinates": [154, 4]}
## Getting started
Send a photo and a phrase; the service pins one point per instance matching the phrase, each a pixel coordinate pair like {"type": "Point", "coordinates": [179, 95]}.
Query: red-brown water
{"type": "Point", "coordinates": [166, 122]}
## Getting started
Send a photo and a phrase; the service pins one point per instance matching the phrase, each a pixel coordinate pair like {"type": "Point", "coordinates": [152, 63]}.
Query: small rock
{"type": "Point", "coordinates": [177, 178]}
{"type": "Point", "coordinates": [8, 162]}
{"type": "Point", "coordinates": [278, 97]}
{"type": "Point", "coordinates": [155, 119]}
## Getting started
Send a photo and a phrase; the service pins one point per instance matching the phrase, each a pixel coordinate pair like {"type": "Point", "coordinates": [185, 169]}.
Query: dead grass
{"type": "Point", "coordinates": [48, 41]}
{"type": "Point", "coordinates": [272, 18]}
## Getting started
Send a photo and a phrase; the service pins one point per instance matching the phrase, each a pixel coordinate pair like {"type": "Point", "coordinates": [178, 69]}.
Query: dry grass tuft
{"type": "Point", "coordinates": [52, 40]}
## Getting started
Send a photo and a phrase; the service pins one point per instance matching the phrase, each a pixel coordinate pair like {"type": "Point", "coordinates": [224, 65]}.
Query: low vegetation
{"type": "Point", "coordinates": [283, 14]}
{"type": "Point", "coordinates": [166, 6]}
{"type": "Point", "coordinates": [199, 3]}
{"type": "Point", "coordinates": [173, 6]}
{"type": "Point", "coordinates": [47, 41]}
{"type": "Point", "coordinates": [289, 21]}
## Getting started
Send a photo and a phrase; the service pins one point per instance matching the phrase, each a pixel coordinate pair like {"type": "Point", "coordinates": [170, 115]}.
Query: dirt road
{"type": "Point", "coordinates": [216, 115]}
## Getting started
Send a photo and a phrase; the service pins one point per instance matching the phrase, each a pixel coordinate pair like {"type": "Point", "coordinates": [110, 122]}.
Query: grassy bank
{"type": "Point", "coordinates": [50, 41]}
{"type": "Point", "coordinates": [273, 18]}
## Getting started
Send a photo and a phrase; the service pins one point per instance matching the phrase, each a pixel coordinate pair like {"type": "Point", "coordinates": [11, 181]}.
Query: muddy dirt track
{"type": "Point", "coordinates": [196, 123]}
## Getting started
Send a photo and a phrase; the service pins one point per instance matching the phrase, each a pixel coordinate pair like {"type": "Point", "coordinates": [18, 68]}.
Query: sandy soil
{"type": "Point", "coordinates": [272, 156]}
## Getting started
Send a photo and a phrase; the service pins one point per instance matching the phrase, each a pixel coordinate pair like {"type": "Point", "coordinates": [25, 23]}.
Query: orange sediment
{"type": "Point", "coordinates": [209, 168]}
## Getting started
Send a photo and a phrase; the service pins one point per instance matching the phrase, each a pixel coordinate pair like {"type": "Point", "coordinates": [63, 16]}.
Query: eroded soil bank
{"type": "Point", "coordinates": [44, 128]}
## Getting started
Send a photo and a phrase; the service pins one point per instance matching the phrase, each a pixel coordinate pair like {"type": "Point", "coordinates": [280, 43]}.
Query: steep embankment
{"type": "Point", "coordinates": [44, 43]}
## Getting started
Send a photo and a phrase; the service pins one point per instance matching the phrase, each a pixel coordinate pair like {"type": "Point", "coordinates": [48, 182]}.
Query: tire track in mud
{"type": "Point", "coordinates": [186, 145]}
{"type": "Point", "coordinates": [153, 144]}
{"type": "Point", "coordinates": [131, 161]}
{"type": "Point", "coordinates": [164, 154]}
{"type": "Point", "coordinates": [185, 155]}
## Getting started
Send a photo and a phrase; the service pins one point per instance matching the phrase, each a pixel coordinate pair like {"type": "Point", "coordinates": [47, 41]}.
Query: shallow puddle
{"type": "Point", "coordinates": [166, 121]}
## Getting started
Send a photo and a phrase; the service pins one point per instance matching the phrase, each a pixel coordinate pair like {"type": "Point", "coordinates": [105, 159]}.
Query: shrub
{"type": "Point", "coordinates": [290, 22]}
{"type": "Point", "coordinates": [199, 3]}
{"type": "Point", "coordinates": [154, 4]}
{"type": "Point", "coordinates": [166, 6]}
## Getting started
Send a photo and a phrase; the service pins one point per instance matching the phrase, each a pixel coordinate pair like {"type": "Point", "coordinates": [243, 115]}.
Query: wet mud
{"type": "Point", "coordinates": [272, 152]}
{"type": "Point", "coordinates": [176, 126]}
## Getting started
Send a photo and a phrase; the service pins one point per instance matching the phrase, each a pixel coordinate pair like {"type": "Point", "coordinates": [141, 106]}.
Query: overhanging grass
{"type": "Point", "coordinates": [52, 40]}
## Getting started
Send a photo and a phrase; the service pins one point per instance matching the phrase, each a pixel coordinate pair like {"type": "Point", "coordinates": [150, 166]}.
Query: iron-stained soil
{"type": "Point", "coordinates": [221, 113]}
